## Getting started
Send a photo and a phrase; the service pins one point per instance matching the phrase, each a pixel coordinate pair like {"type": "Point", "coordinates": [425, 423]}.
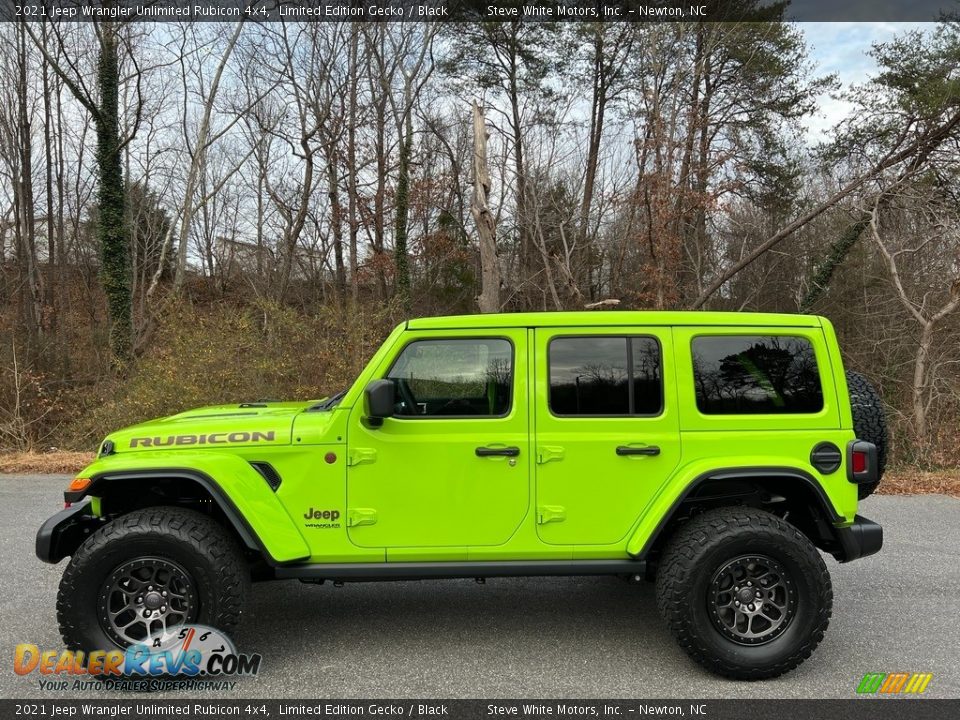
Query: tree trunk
{"type": "Point", "coordinates": [111, 229]}
{"type": "Point", "coordinates": [823, 273]}
{"type": "Point", "coordinates": [32, 298]}
{"type": "Point", "coordinates": [402, 211]}
{"type": "Point", "coordinates": [197, 166]}
{"type": "Point", "coordinates": [353, 189]}
{"type": "Point", "coordinates": [919, 390]}
{"type": "Point", "coordinates": [489, 299]}
{"type": "Point", "coordinates": [336, 225]}
{"type": "Point", "coordinates": [49, 133]}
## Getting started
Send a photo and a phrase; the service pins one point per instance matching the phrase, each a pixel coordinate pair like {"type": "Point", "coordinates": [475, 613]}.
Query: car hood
{"type": "Point", "coordinates": [216, 426]}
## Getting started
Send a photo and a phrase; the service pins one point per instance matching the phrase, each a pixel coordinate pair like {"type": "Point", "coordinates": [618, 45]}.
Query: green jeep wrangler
{"type": "Point", "coordinates": [714, 453]}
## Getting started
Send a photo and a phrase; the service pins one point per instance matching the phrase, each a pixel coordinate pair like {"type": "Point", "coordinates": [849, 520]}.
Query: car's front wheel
{"type": "Point", "coordinates": [149, 571]}
{"type": "Point", "coordinates": [744, 592]}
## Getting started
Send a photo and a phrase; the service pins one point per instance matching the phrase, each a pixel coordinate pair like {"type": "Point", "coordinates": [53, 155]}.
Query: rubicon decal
{"type": "Point", "coordinates": [218, 438]}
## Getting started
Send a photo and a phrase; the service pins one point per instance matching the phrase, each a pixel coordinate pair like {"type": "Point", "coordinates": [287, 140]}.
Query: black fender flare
{"type": "Point", "coordinates": [825, 508]}
{"type": "Point", "coordinates": [100, 483]}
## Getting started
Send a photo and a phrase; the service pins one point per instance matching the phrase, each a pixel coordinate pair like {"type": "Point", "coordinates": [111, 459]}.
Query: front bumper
{"type": "Point", "coordinates": [63, 533]}
{"type": "Point", "coordinates": [864, 537]}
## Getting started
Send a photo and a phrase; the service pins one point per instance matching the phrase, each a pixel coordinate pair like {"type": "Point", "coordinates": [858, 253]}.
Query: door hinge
{"type": "Point", "coordinates": [548, 453]}
{"type": "Point", "coordinates": [550, 513]}
{"type": "Point", "coordinates": [361, 516]}
{"type": "Point", "coordinates": [360, 456]}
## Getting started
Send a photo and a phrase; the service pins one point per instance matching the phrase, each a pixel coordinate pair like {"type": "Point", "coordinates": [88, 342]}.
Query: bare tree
{"type": "Point", "coordinates": [939, 236]}
{"type": "Point", "coordinates": [489, 299]}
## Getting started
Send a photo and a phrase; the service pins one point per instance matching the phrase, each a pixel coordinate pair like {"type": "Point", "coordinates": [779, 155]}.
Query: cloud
{"type": "Point", "coordinates": [842, 49]}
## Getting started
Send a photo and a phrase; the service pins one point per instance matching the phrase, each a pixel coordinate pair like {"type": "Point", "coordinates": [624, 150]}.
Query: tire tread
{"type": "Point", "coordinates": [201, 534]}
{"type": "Point", "coordinates": [679, 566]}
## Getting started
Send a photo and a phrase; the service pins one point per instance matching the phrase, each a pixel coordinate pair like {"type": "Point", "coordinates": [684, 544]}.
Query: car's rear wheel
{"type": "Point", "coordinates": [745, 593]}
{"type": "Point", "coordinates": [149, 571]}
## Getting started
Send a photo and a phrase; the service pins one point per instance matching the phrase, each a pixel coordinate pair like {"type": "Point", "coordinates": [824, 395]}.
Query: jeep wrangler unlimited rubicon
{"type": "Point", "coordinates": [712, 452]}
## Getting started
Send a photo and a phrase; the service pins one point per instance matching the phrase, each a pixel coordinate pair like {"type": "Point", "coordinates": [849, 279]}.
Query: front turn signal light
{"type": "Point", "coordinates": [79, 484]}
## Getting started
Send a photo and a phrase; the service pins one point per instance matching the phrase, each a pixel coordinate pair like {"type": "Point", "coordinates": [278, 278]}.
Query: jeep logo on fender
{"type": "Point", "coordinates": [210, 439]}
{"type": "Point", "coordinates": [314, 514]}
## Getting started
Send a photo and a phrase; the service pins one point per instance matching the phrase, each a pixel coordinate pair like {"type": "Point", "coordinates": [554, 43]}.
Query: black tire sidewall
{"type": "Point", "coordinates": [803, 575]}
{"type": "Point", "coordinates": [100, 564]}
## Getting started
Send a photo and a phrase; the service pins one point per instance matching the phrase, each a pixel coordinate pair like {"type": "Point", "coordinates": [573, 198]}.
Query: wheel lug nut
{"type": "Point", "coordinates": [737, 603]}
{"type": "Point", "coordinates": [758, 593]}
{"type": "Point", "coordinates": [750, 606]}
{"type": "Point", "coordinates": [164, 593]}
{"type": "Point", "coordinates": [750, 584]}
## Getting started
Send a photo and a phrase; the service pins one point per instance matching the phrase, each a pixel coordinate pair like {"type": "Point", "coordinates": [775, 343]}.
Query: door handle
{"type": "Point", "coordinates": [645, 450]}
{"type": "Point", "coordinates": [497, 452]}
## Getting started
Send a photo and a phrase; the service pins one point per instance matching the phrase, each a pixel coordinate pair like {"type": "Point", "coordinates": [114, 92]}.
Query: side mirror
{"type": "Point", "coordinates": [379, 395]}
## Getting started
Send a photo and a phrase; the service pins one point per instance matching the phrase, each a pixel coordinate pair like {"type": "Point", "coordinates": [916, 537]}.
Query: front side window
{"type": "Point", "coordinates": [605, 376]}
{"type": "Point", "coordinates": [752, 374]}
{"type": "Point", "coordinates": [461, 377]}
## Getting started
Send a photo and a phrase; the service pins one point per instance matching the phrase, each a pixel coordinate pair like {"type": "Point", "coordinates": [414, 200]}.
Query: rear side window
{"type": "Point", "coordinates": [751, 374]}
{"type": "Point", "coordinates": [458, 377]}
{"type": "Point", "coordinates": [605, 376]}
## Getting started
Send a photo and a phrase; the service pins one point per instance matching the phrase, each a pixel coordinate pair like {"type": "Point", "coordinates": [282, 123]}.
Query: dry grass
{"type": "Point", "coordinates": [910, 481]}
{"type": "Point", "coordinates": [896, 481]}
{"type": "Point", "coordinates": [48, 463]}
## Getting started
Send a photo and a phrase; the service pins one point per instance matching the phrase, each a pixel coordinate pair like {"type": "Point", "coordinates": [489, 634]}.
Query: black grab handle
{"type": "Point", "coordinates": [648, 450]}
{"type": "Point", "coordinates": [497, 452]}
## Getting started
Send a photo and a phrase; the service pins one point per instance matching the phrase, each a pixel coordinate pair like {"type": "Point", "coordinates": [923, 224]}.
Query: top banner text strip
{"type": "Point", "coordinates": [257, 11]}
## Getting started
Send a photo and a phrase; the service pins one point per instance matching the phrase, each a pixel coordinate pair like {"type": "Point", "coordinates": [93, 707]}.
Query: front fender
{"type": "Point", "coordinates": [657, 515]}
{"type": "Point", "coordinates": [248, 502]}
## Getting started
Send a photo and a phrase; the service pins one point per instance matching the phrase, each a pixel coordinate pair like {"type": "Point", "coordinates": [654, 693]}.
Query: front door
{"type": "Point", "coordinates": [451, 468]}
{"type": "Point", "coordinates": [607, 431]}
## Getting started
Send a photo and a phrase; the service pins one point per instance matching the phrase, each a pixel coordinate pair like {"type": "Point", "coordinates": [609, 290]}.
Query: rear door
{"type": "Point", "coordinates": [606, 429]}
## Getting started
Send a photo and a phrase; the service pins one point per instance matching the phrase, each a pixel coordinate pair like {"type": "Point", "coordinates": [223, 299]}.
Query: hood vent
{"type": "Point", "coordinates": [269, 474]}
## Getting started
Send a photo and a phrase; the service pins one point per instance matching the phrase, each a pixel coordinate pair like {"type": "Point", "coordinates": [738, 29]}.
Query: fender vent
{"type": "Point", "coordinates": [826, 457]}
{"type": "Point", "coordinates": [269, 474]}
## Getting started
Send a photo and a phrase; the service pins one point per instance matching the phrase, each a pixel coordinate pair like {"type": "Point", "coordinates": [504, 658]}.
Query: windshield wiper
{"type": "Point", "coordinates": [329, 402]}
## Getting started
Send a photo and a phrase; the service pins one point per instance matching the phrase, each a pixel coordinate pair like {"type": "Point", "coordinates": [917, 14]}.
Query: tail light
{"type": "Point", "coordinates": [862, 463]}
{"type": "Point", "coordinates": [859, 462]}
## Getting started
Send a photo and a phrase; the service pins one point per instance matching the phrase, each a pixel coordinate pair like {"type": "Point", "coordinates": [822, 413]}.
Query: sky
{"type": "Point", "coordinates": [841, 48]}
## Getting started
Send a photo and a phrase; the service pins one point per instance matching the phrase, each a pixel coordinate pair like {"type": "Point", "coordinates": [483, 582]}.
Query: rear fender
{"type": "Point", "coordinates": [657, 516]}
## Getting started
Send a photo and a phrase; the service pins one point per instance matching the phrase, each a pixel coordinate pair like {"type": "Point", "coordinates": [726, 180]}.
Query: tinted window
{"type": "Point", "coordinates": [605, 376]}
{"type": "Point", "coordinates": [456, 377]}
{"type": "Point", "coordinates": [756, 374]}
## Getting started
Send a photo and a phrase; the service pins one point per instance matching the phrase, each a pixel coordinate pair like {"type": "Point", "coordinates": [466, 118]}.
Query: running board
{"type": "Point", "coordinates": [339, 572]}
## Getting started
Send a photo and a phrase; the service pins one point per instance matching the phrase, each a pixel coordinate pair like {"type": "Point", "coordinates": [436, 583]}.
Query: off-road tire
{"type": "Point", "coordinates": [195, 542]}
{"type": "Point", "coordinates": [705, 544]}
{"type": "Point", "coordinates": [869, 423]}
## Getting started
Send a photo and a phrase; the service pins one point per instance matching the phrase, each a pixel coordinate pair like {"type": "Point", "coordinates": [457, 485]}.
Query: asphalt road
{"type": "Point", "coordinates": [563, 638]}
